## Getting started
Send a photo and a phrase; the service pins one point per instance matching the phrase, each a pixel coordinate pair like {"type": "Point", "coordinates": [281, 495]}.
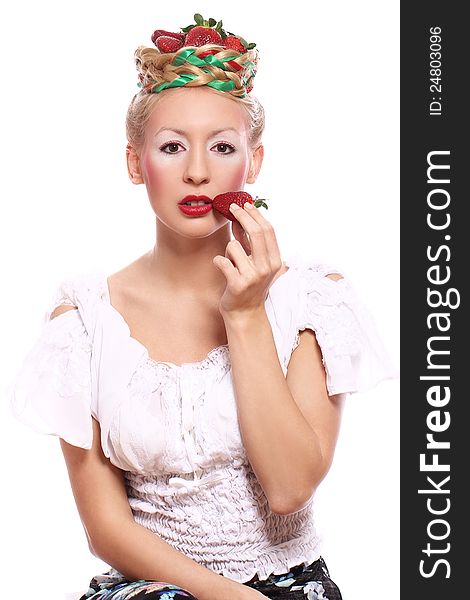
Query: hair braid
{"type": "Point", "coordinates": [156, 68]}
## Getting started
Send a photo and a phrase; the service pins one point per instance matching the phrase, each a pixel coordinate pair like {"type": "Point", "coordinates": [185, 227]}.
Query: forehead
{"type": "Point", "coordinates": [195, 110]}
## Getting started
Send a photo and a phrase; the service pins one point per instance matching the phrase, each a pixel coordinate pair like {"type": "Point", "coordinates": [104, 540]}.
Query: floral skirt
{"type": "Point", "coordinates": [310, 582]}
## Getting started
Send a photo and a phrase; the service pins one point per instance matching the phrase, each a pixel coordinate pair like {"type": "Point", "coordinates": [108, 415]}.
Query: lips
{"type": "Point", "coordinates": [193, 197]}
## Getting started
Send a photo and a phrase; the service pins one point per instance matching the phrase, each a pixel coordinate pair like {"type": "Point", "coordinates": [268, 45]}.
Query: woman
{"type": "Point", "coordinates": [197, 392]}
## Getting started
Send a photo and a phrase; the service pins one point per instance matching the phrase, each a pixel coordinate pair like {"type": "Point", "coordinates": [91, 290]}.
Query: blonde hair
{"type": "Point", "coordinates": [155, 68]}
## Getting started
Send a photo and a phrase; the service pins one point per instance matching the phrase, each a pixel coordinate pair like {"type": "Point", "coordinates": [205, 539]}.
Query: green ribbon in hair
{"type": "Point", "coordinates": [185, 78]}
{"type": "Point", "coordinates": [181, 80]}
{"type": "Point", "coordinates": [189, 56]}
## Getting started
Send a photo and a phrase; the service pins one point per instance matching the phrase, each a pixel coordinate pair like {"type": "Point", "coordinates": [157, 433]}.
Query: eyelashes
{"type": "Point", "coordinates": [174, 145]}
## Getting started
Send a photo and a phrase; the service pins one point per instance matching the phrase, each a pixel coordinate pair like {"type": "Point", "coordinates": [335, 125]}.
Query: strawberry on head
{"type": "Point", "coordinates": [200, 33]}
{"type": "Point", "coordinates": [159, 32]}
{"type": "Point", "coordinates": [205, 33]}
{"type": "Point", "coordinates": [199, 36]}
{"type": "Point", "coordinates": [234, 43]}
{"type": "Point", "coordinates": [166, 43]}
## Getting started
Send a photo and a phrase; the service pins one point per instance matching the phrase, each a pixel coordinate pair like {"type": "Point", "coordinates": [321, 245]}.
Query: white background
{"type": "Point", "coordinates": [329, 80]}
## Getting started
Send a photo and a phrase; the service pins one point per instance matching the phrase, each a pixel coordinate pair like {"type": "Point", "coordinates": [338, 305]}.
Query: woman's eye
{"type": "Point", "coordinates": [225, 148]}
{"type": "Point", "coordinates": [170, 148]}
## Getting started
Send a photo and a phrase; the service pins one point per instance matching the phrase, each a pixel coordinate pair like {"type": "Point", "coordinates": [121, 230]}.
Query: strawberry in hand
{"type": "Point", "coordinates": [223, 201]}
{"type": "Point", "coordinates": [251, 261]}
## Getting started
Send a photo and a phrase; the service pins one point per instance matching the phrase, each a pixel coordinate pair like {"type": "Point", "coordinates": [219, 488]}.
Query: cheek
{"type": "Point", "coordinates": [238, 175]}
{"type": "Point", "coordinates": [154, 173]}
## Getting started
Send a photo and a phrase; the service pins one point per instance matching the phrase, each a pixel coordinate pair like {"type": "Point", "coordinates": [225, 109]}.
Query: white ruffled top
{"type": "Point", "coordinates": [173, 429]}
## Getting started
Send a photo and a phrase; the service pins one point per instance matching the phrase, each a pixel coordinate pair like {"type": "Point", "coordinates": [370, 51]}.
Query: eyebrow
{"type": "Point", "coordinates": [181, 132]}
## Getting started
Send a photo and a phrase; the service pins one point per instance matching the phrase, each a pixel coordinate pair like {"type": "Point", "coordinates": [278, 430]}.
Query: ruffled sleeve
{"type": "Point", "coordinates": [353, 353]}
{"type": "Point", "coordinates": [51, 392]}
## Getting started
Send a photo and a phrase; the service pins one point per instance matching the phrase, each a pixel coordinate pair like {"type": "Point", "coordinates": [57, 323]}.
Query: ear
{"type": "Point", "coordinates": [256, 162]}
{"type": "Point", "coordinates": [133, 165]}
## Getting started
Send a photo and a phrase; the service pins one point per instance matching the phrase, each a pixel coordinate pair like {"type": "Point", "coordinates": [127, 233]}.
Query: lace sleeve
{"type": "Point", "coordinates": [51, 392]}
{"type": "Point", "coordinates": [354, 356]}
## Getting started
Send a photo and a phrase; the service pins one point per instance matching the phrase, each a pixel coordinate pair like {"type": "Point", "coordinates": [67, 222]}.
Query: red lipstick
{"type": "Point", "coordinates": [196, 210]}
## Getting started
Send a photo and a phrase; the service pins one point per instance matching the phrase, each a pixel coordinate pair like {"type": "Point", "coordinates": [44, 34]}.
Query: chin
{"type": "Point", "coordinates": [196, 227]}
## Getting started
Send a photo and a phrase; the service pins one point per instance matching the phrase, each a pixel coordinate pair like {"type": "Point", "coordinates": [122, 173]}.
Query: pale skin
{"type": "Point", "coordinates": [196, 268]}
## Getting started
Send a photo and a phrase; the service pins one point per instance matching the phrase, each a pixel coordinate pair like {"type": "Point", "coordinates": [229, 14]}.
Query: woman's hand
{"type": "Point", "coordinates": [250, 265]}
{"type": "Point", "coordinates": [250, 594]}
{"type": "Point", "coordinates": [238, 591]}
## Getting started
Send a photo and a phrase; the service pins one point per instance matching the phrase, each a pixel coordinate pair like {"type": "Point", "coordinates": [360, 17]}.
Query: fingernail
{"type": "Point", "coordinates": [234, 206]}
{"type": "Point", "coordinates": [248, 205]}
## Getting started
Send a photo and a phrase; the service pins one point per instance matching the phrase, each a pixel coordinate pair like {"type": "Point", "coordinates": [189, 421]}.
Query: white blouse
{"type": "Point", "coordinates": [173, 429]}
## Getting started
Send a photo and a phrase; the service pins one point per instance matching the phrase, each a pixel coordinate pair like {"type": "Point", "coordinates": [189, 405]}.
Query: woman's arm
{"type": "Point", "coordinates": [289, 425]}
{"type": "Point", "coordinates": [113, 535]}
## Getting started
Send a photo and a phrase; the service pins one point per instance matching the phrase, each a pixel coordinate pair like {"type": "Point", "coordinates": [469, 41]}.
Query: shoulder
{"type": "Point", "coordinates": [62, 308]}
{"type": "Point", "coordinates": [335, 276]}
{"type": "Point", "coordinates": [353, 353]}
{"type": "Point", "coordinates": [328, 302]}
{"type": "Point", "coordinates": [74, 299]}
{"type": "Point", "coordinates": [313, 274]}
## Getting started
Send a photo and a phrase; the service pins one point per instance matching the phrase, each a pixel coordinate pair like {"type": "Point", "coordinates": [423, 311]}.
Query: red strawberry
{"type": "Point", "coordinates": [158, 32]}
{"type": "Point", "coordinates": [201, 35]}
{"type": "Point", "coordinates": [165, 43]}
{"type": "Point", "coordinates": [233, 42]}
{"type": "Point", "coordinates": [223, 201]}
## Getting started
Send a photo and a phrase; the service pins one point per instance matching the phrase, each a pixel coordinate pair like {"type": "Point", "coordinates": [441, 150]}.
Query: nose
{"type": "Point", "coordinates": [197, 169]}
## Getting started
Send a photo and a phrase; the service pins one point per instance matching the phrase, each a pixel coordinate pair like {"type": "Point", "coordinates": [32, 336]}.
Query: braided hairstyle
{"type": "Point", "coordinates": [226, 71]}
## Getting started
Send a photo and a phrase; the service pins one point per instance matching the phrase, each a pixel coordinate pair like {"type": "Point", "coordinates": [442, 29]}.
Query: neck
{"type": "Point", "coordinates": [185, 264]}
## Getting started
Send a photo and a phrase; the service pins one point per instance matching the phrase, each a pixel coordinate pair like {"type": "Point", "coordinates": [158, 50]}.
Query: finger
{"type": "Point", "coordinates": [235, 252]}
{"type": "Point", "coordinates": [225, 265]}
{"type": "Point", "coordinates": [259, 251]}
{"type": "Point", "coordinates": [269, 233]}
{"type": "Point", "coordinates": [240, 235]}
